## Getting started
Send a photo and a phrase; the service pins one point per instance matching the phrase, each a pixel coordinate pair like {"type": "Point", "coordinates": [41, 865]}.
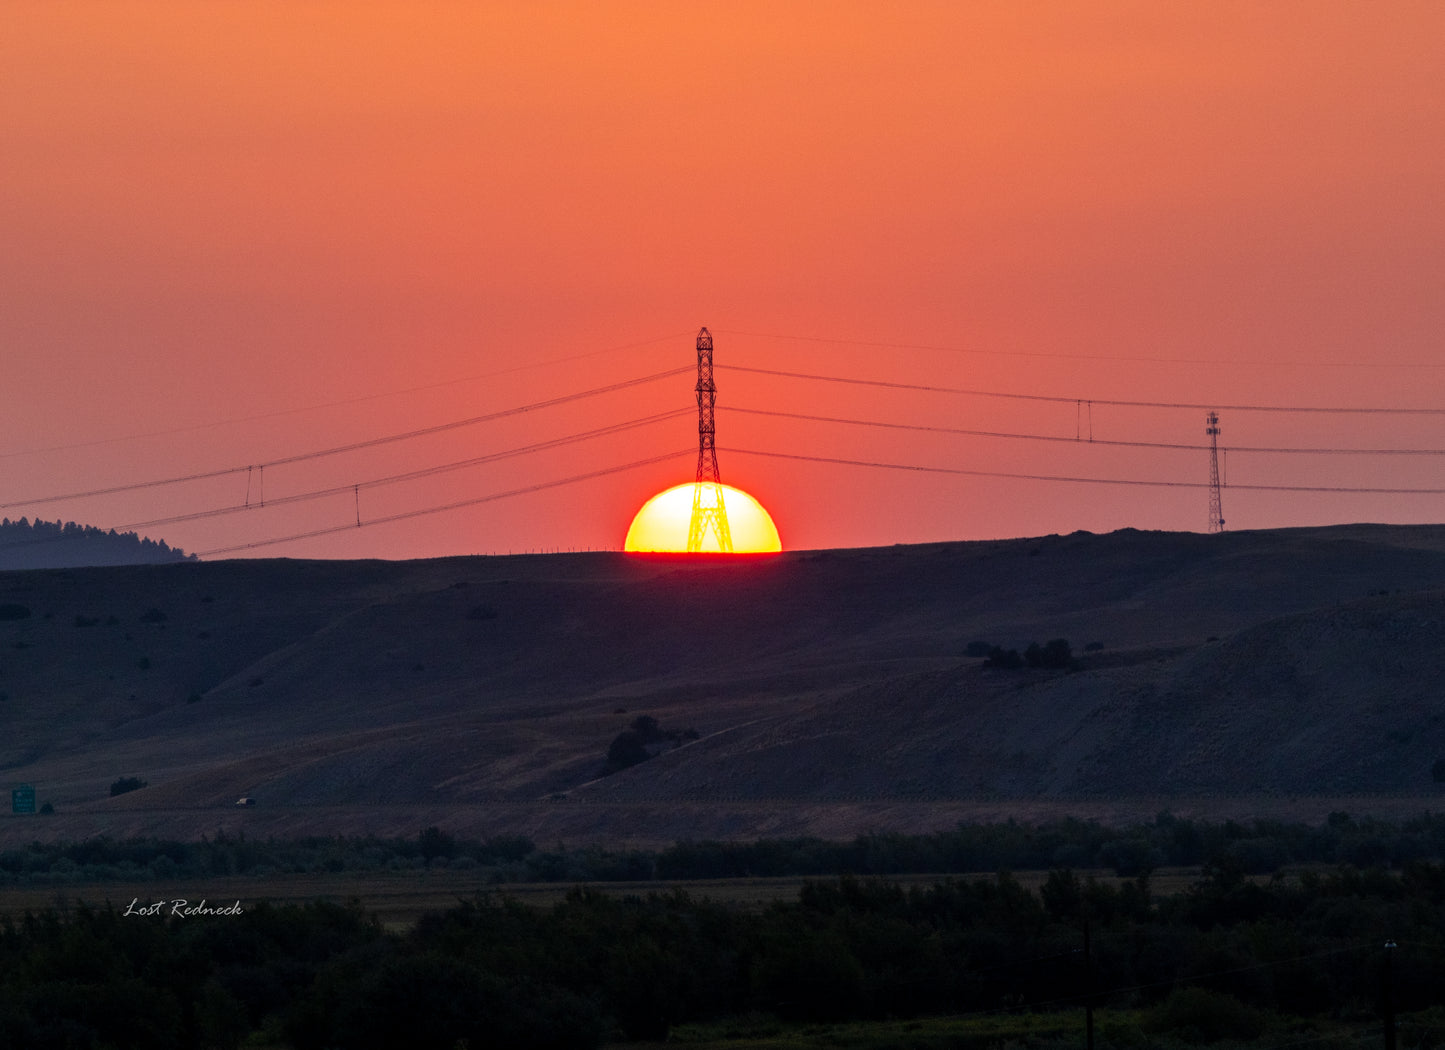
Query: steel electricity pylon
{"type": "Point", "coordinates": [708, 509]}
{"type": "Point", "coordinates": [1216, 506]}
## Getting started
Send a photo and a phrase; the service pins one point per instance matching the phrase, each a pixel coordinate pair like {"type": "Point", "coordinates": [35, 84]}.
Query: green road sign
{"type": "Point", "coordinates": [22, 799]}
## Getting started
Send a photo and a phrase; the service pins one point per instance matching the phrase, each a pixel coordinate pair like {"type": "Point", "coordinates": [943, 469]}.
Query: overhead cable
{"type": "Point", "coordinates": [1077, 480]}
{"type": "Point", "coordinates": [1083, 400]}
{"type": "Point", "coordinates": [411, 475]}
{"type": "Point", "coordinates": [354, 446]}
{"type": "Point", "coordinates": [343, 402]}
{"type": "Point", "coordinates": [1091, 440]}
{"type": "Point", "coordinates": [1137, 359]}
{"type": "Point", "coordinates": [574, 479]}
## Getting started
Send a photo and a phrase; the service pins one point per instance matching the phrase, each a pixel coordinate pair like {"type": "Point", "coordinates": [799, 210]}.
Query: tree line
{"type": "Point", "coordinates": [1258, 847]}
{"type": "Point", "coordinates": [1229, 959]}
{"type": "Point", "coordinates": [39, 544]}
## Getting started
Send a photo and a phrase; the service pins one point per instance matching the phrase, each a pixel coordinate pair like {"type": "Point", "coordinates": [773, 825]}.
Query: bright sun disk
{"type": "Point", "coordinates": [662, 523]}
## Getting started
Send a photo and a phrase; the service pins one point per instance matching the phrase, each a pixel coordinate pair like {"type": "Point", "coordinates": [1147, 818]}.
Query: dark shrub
{"type": "Point", "coordinates": [1009, 659]}
{"type": "Point", "coordinates": [481, 612]}
{"type": "Point", "coordinates": [1130, 857]}
{"type": "Point", "coordinates": [124, 784]}
{"type": "Point", "coordinates": [1198, 1015]}
{"type": "Point", "coordinates": [646, 727]}
{"type": "Point", "coordinates": [1055, 654]}
{"type": "Point", "coordinates": [153, 615]}
{"type": "Point", "coordinates": [434, 843]}
{"type": "Point", "coordinates": [434, 1001]}
{"type": "Point", "coordinates": [1438, 771]}
{"type": "Point", "coordinates": [977, 649]}
{"type": "Point", "coordinates": [1063, 895]}
{"type": "Point", "coordinates": [11, 611]}
{"type": "Point", "coordinates": [627, 749]}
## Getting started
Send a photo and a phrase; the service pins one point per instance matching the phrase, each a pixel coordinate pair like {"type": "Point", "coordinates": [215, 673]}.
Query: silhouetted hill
{"type": "Point", "coordinates": [827, 692]}
{"type": "Point", "coordinates": [63, 545]}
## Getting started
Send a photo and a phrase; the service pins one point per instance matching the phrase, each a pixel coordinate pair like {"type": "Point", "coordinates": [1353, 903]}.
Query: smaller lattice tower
{"type": "Point", "coordinates": [1216, 506]}
{"type": "Point", "coordinates": [708, 509]}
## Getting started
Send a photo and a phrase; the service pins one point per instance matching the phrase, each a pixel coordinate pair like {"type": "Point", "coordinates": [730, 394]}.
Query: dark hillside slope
{"type": "Point", "coordinates": [477, 691]}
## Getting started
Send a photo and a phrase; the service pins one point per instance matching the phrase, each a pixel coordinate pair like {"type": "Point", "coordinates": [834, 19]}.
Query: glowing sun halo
{"type": "Point", "coordinates": [661, 524]}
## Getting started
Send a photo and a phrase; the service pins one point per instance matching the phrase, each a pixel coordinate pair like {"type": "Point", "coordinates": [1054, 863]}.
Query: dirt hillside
{"type": "Point", "coordinates": [823, 692]}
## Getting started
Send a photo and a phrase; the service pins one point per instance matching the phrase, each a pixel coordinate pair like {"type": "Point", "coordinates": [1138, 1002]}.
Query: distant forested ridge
{"type": "Point", "coordinates": [65, 545]}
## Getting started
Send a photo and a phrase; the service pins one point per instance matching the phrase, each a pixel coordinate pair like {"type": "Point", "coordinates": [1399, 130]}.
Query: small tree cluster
{"type": "Point", "coordinates": [640, 741]}
{"type": "Point", "coordinates": [1056, 654]}
{"type": "Point", "coordinates": [124, 784]}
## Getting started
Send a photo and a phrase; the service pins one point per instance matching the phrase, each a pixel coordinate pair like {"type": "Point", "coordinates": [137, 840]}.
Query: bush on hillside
{"type": "Point", "coordinates": [627, 749]}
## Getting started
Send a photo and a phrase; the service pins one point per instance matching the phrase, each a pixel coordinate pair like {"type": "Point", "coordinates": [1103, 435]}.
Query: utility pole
{"type": "Point", "coordinates": [1088, 990]}
{"type": "Point", "coordinates": [708, 509]}
{"type": "Point", "coordinates": [1216, 507]}
{"type": "Point", "coordinates": [1389, 995]}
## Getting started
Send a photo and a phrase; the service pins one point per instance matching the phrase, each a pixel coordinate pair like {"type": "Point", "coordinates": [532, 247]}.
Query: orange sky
{"type": "Point", "coordinates": [216, 212]}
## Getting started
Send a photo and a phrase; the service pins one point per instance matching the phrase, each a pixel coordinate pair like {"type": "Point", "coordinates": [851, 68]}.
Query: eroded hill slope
{"type": "Point", "coordinates": [488, 689]}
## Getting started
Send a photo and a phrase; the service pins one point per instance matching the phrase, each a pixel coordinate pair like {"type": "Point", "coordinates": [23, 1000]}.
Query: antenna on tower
{"type": "Point", "coordinates": [708, 509]}
{"type": "Point", "coordinates": [1216, 507]}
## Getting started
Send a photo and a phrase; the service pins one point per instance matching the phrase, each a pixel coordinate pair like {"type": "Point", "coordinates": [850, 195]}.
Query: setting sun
{"type": "Point", "coordinates": [662, 523]}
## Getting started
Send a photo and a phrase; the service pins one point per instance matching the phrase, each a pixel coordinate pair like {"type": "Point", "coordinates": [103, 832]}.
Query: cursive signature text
{"type": "Point", "coordinates": [183, 908]}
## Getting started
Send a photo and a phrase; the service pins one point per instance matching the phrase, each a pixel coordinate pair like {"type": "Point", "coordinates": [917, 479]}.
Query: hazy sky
{"type": "Point", "coordinates": [225, 224]}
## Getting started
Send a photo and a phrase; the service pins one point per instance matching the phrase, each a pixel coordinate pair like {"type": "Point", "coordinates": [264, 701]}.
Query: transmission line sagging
{"type": "Point", "coordinates": [354, 446]}
{"type": "Point", "coordinates": [456, 505]}
{"type": "Point", "coordinates": [414, 475]}
{"type": "Point", "coordinates": [1097, 461]}
{"type": "Point", "coordinates": [989, 351]}
{"type": "Point", "coordinates": [1077, 480]}
{"type": "Point", "coordinates": [363, 399]}
{"type": "Point", "coordinates": [1090, 440]}
{"type": "Point", "coordinates": [1071, 400]}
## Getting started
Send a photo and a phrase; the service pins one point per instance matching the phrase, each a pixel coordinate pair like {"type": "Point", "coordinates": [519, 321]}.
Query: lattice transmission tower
{"type": "Point", "coordinates": [1216, 507]}
{"type": "Point", "coordinates": [708, 509]}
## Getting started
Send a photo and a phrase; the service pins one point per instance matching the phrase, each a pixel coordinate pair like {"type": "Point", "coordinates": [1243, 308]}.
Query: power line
{"type": "Point", "coordinates": [1090, 441]}
{"type": "Point", "coordinates": [1086, 400]}
{"type": "Point", "coordinates": [354, 446]}
{"type": "Point", "coordinates": [341, 403]}
{"type": "Point", "coordinates": [1079, 480]}
{"type": "Point", "coordinates": [412, 475]}
{"type": "Point", "coordinates": [890, 345]}
{"type": "Point", "coordinates": [450, 506]}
